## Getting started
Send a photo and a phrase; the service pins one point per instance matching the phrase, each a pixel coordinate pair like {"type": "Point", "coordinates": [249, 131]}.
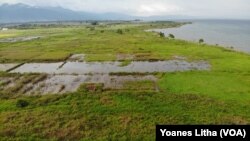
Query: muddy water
{"type": "Point", "coordinates": [111, 67]}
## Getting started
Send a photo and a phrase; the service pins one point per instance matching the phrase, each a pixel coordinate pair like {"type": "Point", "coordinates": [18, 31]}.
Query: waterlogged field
{"type": "Point", "coordinates": [120, 105]}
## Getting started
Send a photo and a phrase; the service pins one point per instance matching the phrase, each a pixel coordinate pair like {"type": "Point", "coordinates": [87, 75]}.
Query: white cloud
{"type": "Point", "coordinates": [157, 9]}
{"type": "Point", "coordinates": [202, 8]}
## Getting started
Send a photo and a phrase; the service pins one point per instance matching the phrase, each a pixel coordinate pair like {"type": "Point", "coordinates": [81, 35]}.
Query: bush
{"type": "Point", "coordinates": [201, 41]}
{"type": "Point", "coordinates": [92, 28]}
{"type": "Point", "coordinates": [119, 31]}
{"type": "Point", "coordinates": [22, 103]}
{"type": "Point", "coordinates": [162, 34]}
{"type": "Point", "coordinates": [127, 30]}
{"type": "Point", "coordinates": [171, 36]}
{"type": "Point", "coordinates": [94, 23]}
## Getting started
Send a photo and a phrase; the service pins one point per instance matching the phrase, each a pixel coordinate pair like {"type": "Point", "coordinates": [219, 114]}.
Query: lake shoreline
{"type": "Point", "coordinates": [195, 30]}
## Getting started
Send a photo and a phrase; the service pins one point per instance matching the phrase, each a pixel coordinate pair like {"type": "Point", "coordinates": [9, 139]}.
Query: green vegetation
{"type": "Point", "coordinates": [162, 34]}
{"type": "Point", "coordinates": [91, 87]}
{"type": "Point", "coordinates": [112, 115]}
{"type": "Point", "coordinates": [57, 43]}
{"type": "Point", "coordinates": [218, 96]}
{"type": "Point", "coordinates": [201, 41]}
{"type": "Point", "coordinates": [141, 85]}
{"type": "Point", "coordinates": [119, 31]}
{"type": "Point", "coordinates": [94, 23]}
{"type": "Point", "coordinates": [171, 36]}
{"type": "Point", "coordinates": [22, 103]}
{"type": "Point", "coordinates": [125, 63]}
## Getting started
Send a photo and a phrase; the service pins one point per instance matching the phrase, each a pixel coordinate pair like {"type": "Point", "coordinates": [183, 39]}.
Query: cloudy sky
{"type": "Point", "coordinates": [199, 8]}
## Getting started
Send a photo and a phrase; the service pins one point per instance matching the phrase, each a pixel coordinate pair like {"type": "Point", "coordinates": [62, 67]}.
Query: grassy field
{"type": "Point", "coordinates": [218, 96]}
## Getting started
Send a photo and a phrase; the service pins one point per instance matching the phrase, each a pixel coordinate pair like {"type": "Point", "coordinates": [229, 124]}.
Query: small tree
{"type": "Point", "coordinates": [201, 41]}
{"type": "Point", "coordinates": [94, 23]}
{"type": "Point", "coordinates": [171, 36]}
{"type": "Point", "coordinates": [162, 34]}
{"type": "Point", "coordinates": [119, 31]}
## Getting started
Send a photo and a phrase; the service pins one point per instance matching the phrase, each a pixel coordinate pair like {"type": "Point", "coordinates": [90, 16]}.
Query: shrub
{"type": "Point", "coordinates": [94, 23]}
{"type": "Point", "coordinates": [22, 103]}
{"type": "Point", "coordinates": [92, 28]}
{"type": "Point", "coordinates": [171, 36]}
{"type": "Point", "coordinates": [201, 41]}
{"type": "Point", "coordinates": [119, 31]}
{"type": "Point", "coordinates": [162, 34]}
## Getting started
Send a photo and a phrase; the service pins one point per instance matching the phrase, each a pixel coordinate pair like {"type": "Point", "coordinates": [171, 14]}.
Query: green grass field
{"type": "Point", "coordinates": [218, 96]}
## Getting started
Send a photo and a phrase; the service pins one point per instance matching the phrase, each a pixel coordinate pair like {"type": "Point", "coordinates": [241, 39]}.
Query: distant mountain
{"type": "Point", "coordinates": [25, 13]}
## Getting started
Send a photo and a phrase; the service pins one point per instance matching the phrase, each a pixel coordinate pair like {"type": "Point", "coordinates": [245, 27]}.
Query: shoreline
{"type": "Point", "coordinates": [195, 38]}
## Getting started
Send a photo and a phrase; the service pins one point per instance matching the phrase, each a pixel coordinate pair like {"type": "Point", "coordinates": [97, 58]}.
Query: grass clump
{"type": "Point", "coordinates": [125, 63]}
{"type": "Point", "coordinates": [91, 87]}
{"type": "Point", "coordinates": [201, 41]}
{"type": "Point", "coordinates": [22, 103]}
{"type": "Point", "coordinates": [162, 34]}
{"type": "Point", "coordinates": [145, 85]}
{"type": "Point", "coordinates": [171, 36]}
{"type": "Point", "coordinates": [119, 31]}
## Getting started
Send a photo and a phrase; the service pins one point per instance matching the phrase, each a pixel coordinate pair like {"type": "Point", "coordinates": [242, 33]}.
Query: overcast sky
{"type": "Point", "coordinates": [198, 8]}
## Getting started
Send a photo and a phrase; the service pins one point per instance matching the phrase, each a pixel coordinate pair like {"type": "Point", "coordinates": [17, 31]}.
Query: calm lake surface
{"type": "Point", "coordinates": [227, 33]}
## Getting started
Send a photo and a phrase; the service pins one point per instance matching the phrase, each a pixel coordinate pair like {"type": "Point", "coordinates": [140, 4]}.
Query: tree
{"type": "Point", "coordinates": [94, 23]}
{"type": "Point", "coordinates": [171, 36]}
{"type": "Point", "coordinates": [201, 41]}
{"type": "Point", "coordinates": [162, 34]}
{"type": "Point", "coordinates": [119, 31]}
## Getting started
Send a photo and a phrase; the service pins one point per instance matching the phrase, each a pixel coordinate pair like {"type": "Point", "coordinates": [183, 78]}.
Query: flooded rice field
{"type": "Point", "coordinates": [59, 84]}
{"type": "Point", "coordinates": [6, 67]}
{"type": "Point", "coordinates": [19, 39]}
{"type": "Point", "coordinates": [38, 68]}
{"type": "Point", "coordinates": [69, 76]}
{"type": "Point", "coordinates": [111, 67]}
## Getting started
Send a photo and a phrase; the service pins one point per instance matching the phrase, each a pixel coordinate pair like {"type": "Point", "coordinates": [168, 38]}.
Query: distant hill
{"type": "Point", "coordinates": [25, 13]}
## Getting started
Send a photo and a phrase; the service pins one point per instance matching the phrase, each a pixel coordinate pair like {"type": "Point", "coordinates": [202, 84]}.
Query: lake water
{"type": "Point", "coordinates": [227, 33]}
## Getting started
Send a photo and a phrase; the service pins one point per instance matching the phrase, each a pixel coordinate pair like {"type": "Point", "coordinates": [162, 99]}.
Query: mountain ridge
{"type": "Point", "coordinates": [14, 13]}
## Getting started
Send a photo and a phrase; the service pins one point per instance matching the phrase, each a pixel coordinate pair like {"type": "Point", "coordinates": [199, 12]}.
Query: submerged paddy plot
{"type": "Point", "coordinates": [38, 68]}
{"type": "Point", "coordinates": [6, 67]}
{"type": "Point", "coordinates": [111, 67]}
{"type": "Point", "coordinates": [19, 39]}
{"type": "Point", "coordinates": [72, 75]}
{"type": "Point", "coordinates": [60, 84]}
